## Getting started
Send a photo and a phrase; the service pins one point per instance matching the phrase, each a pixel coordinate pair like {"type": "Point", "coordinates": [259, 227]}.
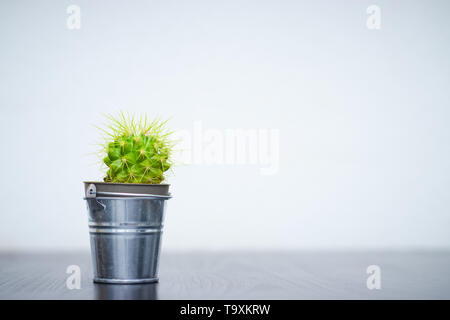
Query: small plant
{"type": "Point", "coordinates": [137, 150]}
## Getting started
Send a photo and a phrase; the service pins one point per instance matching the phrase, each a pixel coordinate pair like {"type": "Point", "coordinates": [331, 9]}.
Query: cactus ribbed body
{"type": "Point", "coordinates": [138, 152]}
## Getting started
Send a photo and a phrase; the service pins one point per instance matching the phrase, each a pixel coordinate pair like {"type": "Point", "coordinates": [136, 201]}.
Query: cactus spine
{"type": "Point", "coordinates": [137, 151]}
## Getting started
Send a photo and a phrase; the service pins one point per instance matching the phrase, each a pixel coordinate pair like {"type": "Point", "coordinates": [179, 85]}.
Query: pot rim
{"type": "Point", "coordinates": [128, 184]}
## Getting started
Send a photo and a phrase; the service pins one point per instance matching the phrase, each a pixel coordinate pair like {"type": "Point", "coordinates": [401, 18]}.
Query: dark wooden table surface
{"type": "Point", "coordinates": [239, 275]}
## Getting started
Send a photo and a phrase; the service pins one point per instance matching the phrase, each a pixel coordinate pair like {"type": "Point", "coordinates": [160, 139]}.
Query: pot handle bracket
{"type": "Point", "coordinates": [91, 191]}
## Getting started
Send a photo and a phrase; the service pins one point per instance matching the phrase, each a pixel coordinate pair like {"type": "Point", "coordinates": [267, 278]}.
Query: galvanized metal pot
{"type": "Point", "coordinates": [125, 233]}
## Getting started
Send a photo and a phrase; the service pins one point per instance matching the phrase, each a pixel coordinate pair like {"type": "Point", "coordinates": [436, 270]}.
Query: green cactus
{"type": "Point", "coordinates": [137, 151]}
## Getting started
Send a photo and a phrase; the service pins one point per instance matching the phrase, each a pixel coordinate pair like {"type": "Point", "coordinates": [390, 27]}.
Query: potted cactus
{"type": "Point", "coordinates": [126, 210]}
{"type": "Point", "coordinates": [137, 154]}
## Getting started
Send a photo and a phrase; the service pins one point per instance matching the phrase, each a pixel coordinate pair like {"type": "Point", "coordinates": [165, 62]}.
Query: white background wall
{"type": "Point", "coordinates": [363, 117]}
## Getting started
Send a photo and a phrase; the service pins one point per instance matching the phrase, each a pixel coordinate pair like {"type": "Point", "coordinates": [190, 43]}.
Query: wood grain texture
{"type": "Point", "coordinates": [242, 275]}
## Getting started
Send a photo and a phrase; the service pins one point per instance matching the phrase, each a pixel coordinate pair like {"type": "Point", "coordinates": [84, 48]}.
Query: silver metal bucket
{"type": "Point", "coordinates": [125, 232]}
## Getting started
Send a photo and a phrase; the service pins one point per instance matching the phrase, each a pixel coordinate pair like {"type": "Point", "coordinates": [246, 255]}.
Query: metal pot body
{"type": "Point", "coordinates": [125, 235]}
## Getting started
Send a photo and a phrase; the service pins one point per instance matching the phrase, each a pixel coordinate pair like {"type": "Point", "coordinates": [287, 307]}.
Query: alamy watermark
{"type": "Point", "coordinates": [374, 19]}
{"type": "Point", "coordinates": [74, 18]}
{"type": "Point", "coordinates": [374, 280]}
{"type": "Point", "coordinates": [258, 147]}
{"type": "Point", "coordinates": [73, 281]}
